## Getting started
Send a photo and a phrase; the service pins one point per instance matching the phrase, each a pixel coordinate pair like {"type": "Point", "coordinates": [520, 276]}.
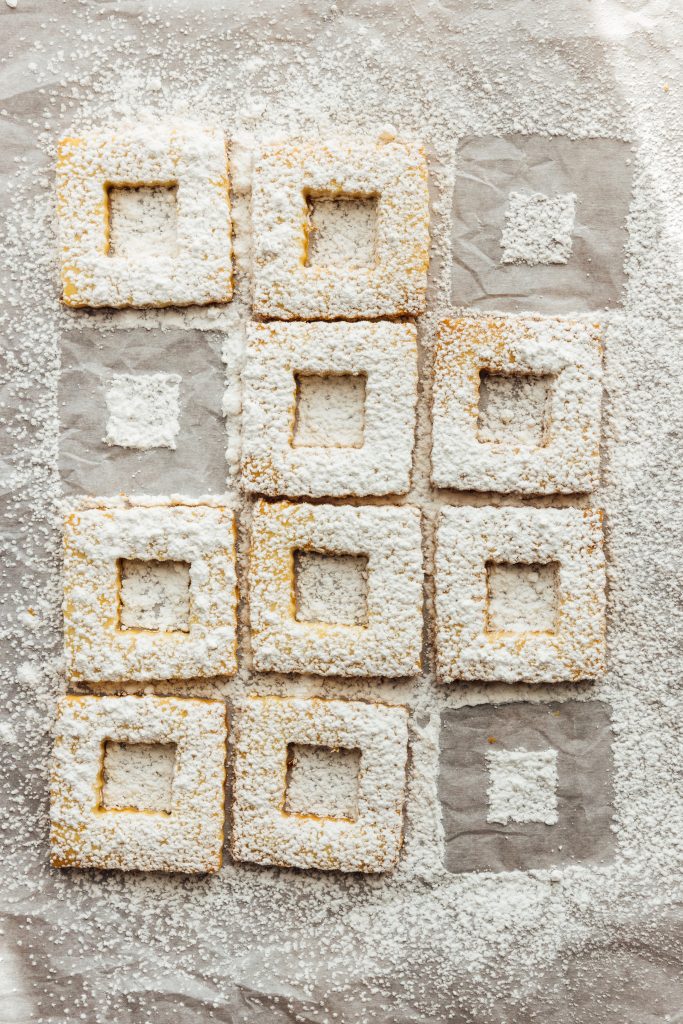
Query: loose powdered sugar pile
{"type": "Point", "coordinates": [577, 943]}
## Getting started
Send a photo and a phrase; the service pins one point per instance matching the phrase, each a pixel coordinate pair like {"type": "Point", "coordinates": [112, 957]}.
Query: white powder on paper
{"type": "Point", "coordinates": [143, 222]}
{"type": "Point", "coordinates": [144, 411]}
{"type": "Point", "coordinates": [522, 786]}
{"type": "Point", "coordinates": [538, 228]}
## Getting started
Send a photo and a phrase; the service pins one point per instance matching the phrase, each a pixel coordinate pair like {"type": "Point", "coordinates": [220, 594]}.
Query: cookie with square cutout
{"type": "Point", "coordinates": [98, 539]}
{"type": "Point", "coordinates": [382, 355]}
{"type": "Point", "coordinates": [188, 159]}
{"type": "Point", "coordinates": [288, 177]}
{"type": "Point", "coordinates": [564, 357]}
{"type": "Point", "coordinates": [263, 832]}
{"type": "Point", "coordinates": [390, 642]}
{"type": "Point", "coordinates": [85, 833]}
{"type": "Point", "coordinates": [471, 644]}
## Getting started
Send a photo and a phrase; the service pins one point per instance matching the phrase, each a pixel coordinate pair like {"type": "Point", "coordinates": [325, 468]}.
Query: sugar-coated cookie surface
{"type": "Point", "coordinates": [85, 834]}
{"type": "Point", "coordinates": [384, 354]}
{"type": "Point", "coordinates": [96, 540]}
{"type": "Point", "coordinates": [567, 355]}
{"type": "Point", "coordinates": [287, 176]}
{"type": "Point", "coordinates": [390, 642]}
{"type": "Point", "coordinates": [262, 830]}
{"type": "Point", "coordinates": [188, 157]}
{"type": "Point", "coordinates": [469, 645]}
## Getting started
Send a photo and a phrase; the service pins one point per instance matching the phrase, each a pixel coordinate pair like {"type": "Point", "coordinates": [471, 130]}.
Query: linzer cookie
{"type": "Point", "coordinates": [263, 831]}
{"type": "Point", "coordinates": [389, 641]}
{"type": "Point", "coordinates": [188, 161]}
{"type": "Point", "coordinates": [550, 370]}
{"type": "Point", "coordinates": [289, 178]}
{"type": "Point", "coordinates": [520, 594]}
{"type": "Point", "coordinates": [187, 834]}
{"type": "Point", "coordinates": [378, 359]}
{"type": "Point", "coordinates": [111, 637]}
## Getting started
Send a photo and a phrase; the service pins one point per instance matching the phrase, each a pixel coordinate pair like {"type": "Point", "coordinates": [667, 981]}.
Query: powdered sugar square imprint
{"type": "Point", "coordinates": [565, 356]}
{"type": "Point", "coordinates": [289, 178]}
{"type": "Point", "coordinates": [280, 354]}
{"type": "Point", "coordinates": [144, 411]}
{"type": "Point", "coordinates": [538, 228]}
{"type": "Point", "coordinates": [106, 625]}
{"type": "Point", "coordinates": [569, 644]}
{"type": "Point", "coordinates": [187, 164]}
{"type": "Point", "coordinates": [389, 640]}
{"type": "Point", "coordinates": [88, 829]}
{"type": "Point", "coordinates": [265, 832]}
{"type": "Point", "coordinates": [522, 786]}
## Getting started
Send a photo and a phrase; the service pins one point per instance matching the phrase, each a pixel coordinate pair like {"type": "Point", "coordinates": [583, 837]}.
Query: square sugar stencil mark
{"type": "Point", "coordinates": [330, 411]}
{"type": "Point", "coordinates": [331, 588]}
{"type": "Point", "coordinates": [125, 427]}
{"type": "Point", "coordinates": [137, 776]}
{"type": "Point", "coordinates": [143, 221]}
{"type": "Point", "coordinates": [154, 595]}
{"type": "Point", "coordinates": [143, 411]}
{"type": "Point", "coordinates": [526, 786]}
{"type": "Point", "coordinates": [512, 249]}
{"type": "Point", "coordinates": [322, 781]}
{"type": "Point", "coordinates": [514, 408]}
{"type": "Point", "coordinates": [342, 231]}
{"type": "Point", "coordinates": [538, 228]}
{"type": "Point", "coordinates": [521, 598]}
{"type": "Point", "coordinates": [522, 786]}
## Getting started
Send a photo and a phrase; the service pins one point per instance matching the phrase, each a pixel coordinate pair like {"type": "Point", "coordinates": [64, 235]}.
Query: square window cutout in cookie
{"type": "Point", "coordinates": [137, 776]}
{"type": "Point", "coordinates": [341, 230]}
{"type": "Point", "coordinates": [372, 625]}
{"type": "Point", "coordinates": [143, 221]}
{"type": "Point", "coordinates": [521, 598]}
{"type": "Point", "coordinates": [331, 588]}
{"type": "Point", "coordinates": [516, 405]}
{"type": "Point", "coordinates": [532, 227]}
{"type": "Point", "coordinates": [526, 786]}
{"type": "Point", "coordinates": [329, 409]}
{"type": "Point", "coordinates": [514, 408]}
{"type": "Point", "coordinates": [149, 592]}
{"type": "Point", "coordinates": [154, 595]}
{"type": "Point", "coordinates": [319, 783]}
{"type": "Point", "coordinates": [322, 781]}
{"type": "Point", "coordinates": [520, 595]}
{"type": "Point", "coordinates": [144, 217]}
{"type": "Point", "coordinates": [137, 783]}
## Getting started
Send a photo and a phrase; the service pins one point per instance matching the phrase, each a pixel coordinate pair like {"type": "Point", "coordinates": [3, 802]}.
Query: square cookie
{"type": "Point", "coordinates": [389, 641]}
{"type": "Point", "coordinates": [101, 641]}
{"type": "Point", "coordinates": [552, 804]}
{"type": "Point", "coordinates": [99, 177]}
{"type": "Point", "coordinates": [281, 360]}
{"type": "Point", "coordinates": [289, 178]}
{"type": "Point", "coordinates": [88, 832]}
{"type": "Point", "coordinates": [264, 832]}
{"type": "Point", "coordinates": [539, 223]}
{"type": "Point", "coordinates": [516, 405]}
{"type": "Point", "coordinates": [520, 595]}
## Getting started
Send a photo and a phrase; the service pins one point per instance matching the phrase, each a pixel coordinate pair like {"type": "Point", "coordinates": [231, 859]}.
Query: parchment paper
{"type": "Point", "coordinates": [424, 946]}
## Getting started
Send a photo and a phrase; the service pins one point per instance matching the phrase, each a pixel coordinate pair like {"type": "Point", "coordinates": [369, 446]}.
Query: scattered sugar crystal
{"type": "Point", "coordinates": [522, 786]}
